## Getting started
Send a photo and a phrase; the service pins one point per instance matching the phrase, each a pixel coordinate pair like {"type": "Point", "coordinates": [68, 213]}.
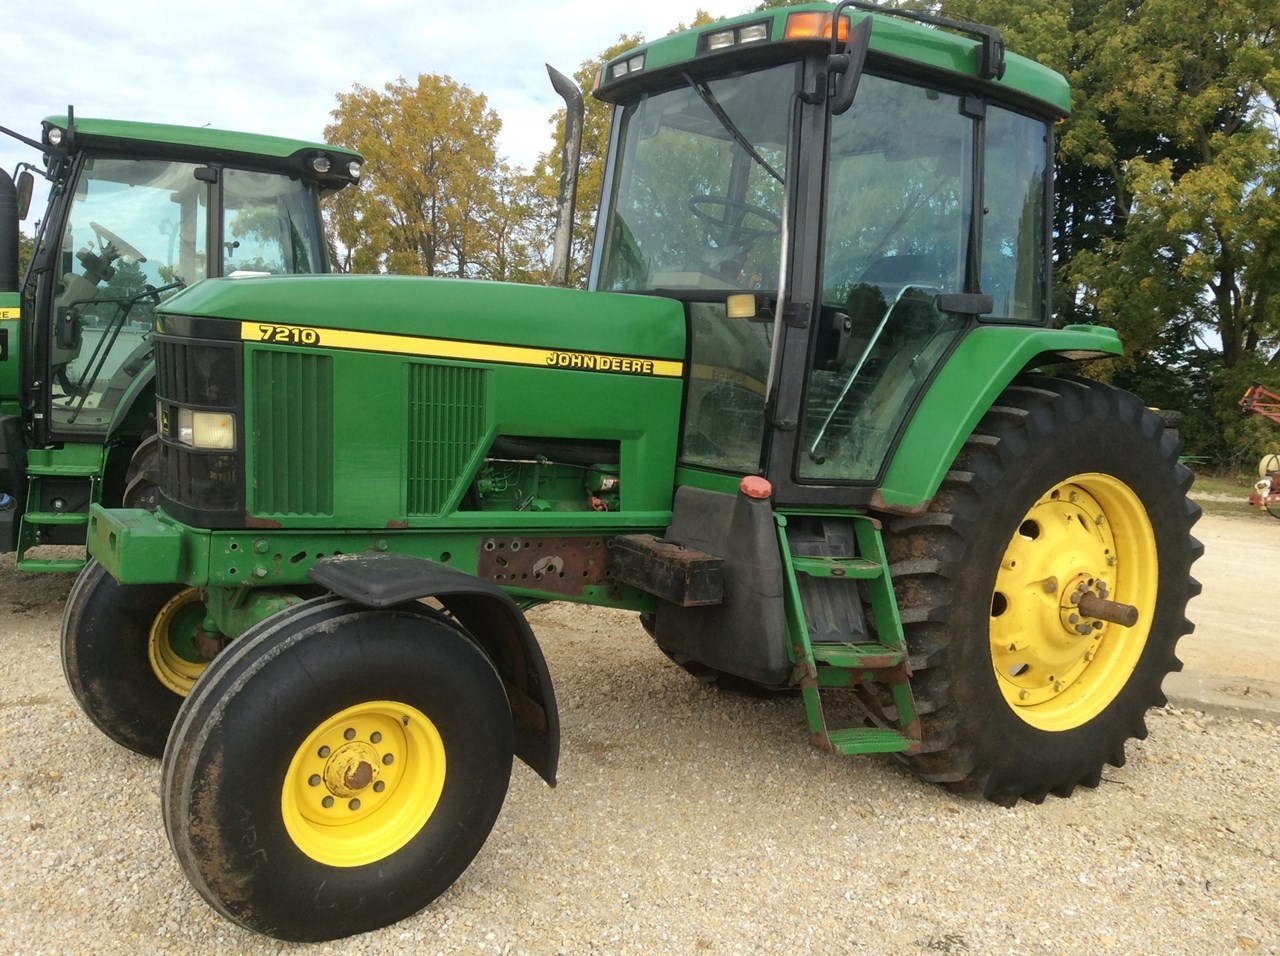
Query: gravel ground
{"type": "Point", "coordinates": [687, 820]}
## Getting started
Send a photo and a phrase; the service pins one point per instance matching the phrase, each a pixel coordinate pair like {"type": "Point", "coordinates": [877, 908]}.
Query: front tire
{"type": "Point", "coordinates": [337, 769]}
{"type": "Point", "coordinates": [128, 655]}
{"type": "Point", "coordinates": [1066, 489]}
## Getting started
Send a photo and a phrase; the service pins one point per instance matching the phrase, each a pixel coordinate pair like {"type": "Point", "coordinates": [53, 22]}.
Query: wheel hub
{"type": "Point", "coordinates": [351, 769]}
{"type": "Point", "coordinates": [1074, 621]}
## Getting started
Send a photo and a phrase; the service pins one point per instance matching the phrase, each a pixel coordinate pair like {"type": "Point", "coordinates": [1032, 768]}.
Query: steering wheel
{"type": "Point", "coordinates": [108, 238]}
{"type": "Point", "coordinates": [739, 233]}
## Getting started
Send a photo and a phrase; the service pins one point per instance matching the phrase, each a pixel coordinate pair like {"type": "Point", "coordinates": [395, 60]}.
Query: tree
{"type": "Point", "coordinates": [429, 200]}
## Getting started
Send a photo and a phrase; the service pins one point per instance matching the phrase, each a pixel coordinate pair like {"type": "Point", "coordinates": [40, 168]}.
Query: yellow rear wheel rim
{"type": "Point", "coordinates": [363, 783]}
{"type": "Point", "coordinates": [170, 646]}
{"type": "Point", "coordinates": [1057, 668]}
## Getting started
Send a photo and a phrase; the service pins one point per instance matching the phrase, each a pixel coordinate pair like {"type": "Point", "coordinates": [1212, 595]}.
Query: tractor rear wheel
{"type": "Point", "coordinates": [337, 768]}
{"type": "Point", "coordinates": [129, 656]}
{"type": "Point", "coordinates": [1064, 515]}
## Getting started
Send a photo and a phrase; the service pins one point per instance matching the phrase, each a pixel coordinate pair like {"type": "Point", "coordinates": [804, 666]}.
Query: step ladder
{"type": "Point", "coordinates": [825, 579]}
{"type": "Point", "coordinates": [77, 471]}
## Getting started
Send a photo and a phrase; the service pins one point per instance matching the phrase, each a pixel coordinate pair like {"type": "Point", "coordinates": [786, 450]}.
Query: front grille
{"type": "Point", "coordinates": [202, 488]}
{"type": "Point", "coordinates": [293, 434]}
{"type": "Point", "coordinates": [198, 374]}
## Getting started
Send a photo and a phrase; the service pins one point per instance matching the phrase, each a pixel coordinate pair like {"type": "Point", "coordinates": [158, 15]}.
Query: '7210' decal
{"type": "Point", "coordinates": [288, 335]}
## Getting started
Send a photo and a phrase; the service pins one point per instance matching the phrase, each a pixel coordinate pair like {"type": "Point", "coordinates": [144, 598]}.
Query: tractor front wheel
{"type": "Point", "coordinates": [129, 655]}
{"type": "Point", "coordinates": [337, 769]}
{"type": "Point", "coordinates": [1043, 592]}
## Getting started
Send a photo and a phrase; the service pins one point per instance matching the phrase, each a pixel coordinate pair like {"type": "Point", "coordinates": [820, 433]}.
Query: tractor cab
{"type": "Point", "coordinates": [834, 217]}
{"type": "Point", "coordinates": [136, 211]}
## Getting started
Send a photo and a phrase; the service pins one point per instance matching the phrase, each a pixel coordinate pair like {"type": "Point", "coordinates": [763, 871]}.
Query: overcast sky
{"type": "Point", "coordinates": [276, 66]}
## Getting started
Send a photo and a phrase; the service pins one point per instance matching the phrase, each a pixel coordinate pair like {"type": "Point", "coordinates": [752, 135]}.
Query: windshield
{"type": "Point", "coordinates": [696, 197]}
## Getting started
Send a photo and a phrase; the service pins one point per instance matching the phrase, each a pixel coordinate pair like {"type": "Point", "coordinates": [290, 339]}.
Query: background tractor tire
{"type": "Point", "coordinates": [337, 768]}
{"type": "Point", "coordinates": [142, 479]}
{"type": "Point", "coordinates": [1066, 488]}
{"type": "Point", "coordinates": [127, 656]}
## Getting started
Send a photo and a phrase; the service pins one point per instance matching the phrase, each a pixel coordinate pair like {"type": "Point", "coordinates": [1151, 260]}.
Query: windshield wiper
{"type": "Point", "coordinates": [730, 127]}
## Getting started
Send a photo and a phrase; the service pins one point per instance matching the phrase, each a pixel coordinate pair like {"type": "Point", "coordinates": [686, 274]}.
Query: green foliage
{"type": "Point", "coordinates": [431, 200]}
{"type": "Point", "coordinates": [26, 248]}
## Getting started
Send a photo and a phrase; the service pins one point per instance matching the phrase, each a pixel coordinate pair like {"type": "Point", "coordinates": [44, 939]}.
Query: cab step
{"type": "Point", "coordinates": [830, 566]}
{"type": "Point", "coordinates": [56, 517]}
{"type": "Point", "coordinates": [870, 740]}
{"type": "Point", "coordinates": [873, 656]}
{"type": "Point", "coordinates": [51, 565]}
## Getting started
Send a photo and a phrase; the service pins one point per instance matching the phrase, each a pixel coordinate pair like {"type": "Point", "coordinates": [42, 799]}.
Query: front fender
{"type": "Point", "coordinates": [489, 616]}
{"type": "Point", "coordinates": [981, 367]}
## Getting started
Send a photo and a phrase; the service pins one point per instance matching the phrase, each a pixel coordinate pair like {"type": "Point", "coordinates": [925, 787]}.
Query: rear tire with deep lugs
{"type": "Point", "coordinates": [1067, 488]}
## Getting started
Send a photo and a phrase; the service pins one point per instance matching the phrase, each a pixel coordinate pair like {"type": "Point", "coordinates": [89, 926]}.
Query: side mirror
{"type": "Point", "coordinates": [847, 65]}
{"type": "Point", "coordinates": [25, 181]}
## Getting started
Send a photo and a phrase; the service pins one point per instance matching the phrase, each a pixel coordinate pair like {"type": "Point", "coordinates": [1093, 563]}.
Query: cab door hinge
{"type": "Point", "coordinates": [797, 315]}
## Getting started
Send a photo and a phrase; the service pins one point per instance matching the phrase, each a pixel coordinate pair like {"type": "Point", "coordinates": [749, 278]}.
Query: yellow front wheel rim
{"type": "Point", "coordinates": [170, 645]}
{"type": "Point", "coordinates": [363, 783]}
{"type": "Point", "coordinates": [1056, 667]}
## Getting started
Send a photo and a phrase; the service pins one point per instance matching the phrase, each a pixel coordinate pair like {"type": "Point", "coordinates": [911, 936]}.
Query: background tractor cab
{"type": "Point", "coordinates": [135, 212]}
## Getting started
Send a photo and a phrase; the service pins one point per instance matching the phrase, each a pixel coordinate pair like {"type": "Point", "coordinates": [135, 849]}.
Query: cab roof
{"type": "Point", "coordinates": [897, 44]}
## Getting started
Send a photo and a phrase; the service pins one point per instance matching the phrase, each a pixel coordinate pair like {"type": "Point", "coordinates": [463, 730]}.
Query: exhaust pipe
{"type": "Point", "coordinates": [570, 152]}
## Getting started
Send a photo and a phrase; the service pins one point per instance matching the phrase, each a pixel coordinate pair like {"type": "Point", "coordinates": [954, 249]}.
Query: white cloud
{"type": "Point", "coordinates": [277, 66]}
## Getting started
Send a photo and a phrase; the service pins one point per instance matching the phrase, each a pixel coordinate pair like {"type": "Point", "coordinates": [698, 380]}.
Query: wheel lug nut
{"type": "Point", "coordinates": [348, 734]}
{"type": "Point", "coordinates": [1057, 686]}
{"type": "Point", "coordinates": [388, 759]}
{"type": "Point", "coordinates": [375, 738]}
{"type": "Point", "coordinates": [314, 780]}
{"type": "Point", "coordinates": [1050, 586]}
{"type": "Point", "coordinates": [379, 786]}
{"type": "Point", "coordinates": [354, 804]}
{"type": "Point", "coordinates": [327, 802]}
{"type": "Point", "coordinates": [1023, 694]}
{"type": "Point", "coordinates": [1074, 618]}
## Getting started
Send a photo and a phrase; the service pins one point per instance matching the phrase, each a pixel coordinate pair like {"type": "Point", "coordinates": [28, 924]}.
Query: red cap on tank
{"type": "Point", "coordinates": [753, 486]}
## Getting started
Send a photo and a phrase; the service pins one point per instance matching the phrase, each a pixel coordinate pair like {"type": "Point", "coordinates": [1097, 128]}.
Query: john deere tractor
{"type": "Point", "coordinates": [796, 422]}
{"type": "Point", "coordinates": [136, 211]}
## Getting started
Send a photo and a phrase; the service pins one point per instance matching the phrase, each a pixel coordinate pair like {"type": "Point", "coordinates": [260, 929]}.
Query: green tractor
{"type": "Point", "coordinates": [796, 422]}
{"type": "Point", "coordinates": [136, 211]}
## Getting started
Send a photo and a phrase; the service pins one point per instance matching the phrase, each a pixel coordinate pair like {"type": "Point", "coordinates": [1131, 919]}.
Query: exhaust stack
{"type": "Point", "coordinates": [570, 152]}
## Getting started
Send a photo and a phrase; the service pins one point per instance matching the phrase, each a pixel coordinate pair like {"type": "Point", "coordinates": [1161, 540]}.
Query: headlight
{"type": "Point", "coordinates": [206, 429]}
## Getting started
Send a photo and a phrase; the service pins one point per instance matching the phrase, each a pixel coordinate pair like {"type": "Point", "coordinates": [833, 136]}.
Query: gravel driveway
{"type": "Point", "coordinates": [687, 820]}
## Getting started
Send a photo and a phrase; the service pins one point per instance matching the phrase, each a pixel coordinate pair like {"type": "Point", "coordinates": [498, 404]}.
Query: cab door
{"type": "Point", "coordinates": [892, 285]}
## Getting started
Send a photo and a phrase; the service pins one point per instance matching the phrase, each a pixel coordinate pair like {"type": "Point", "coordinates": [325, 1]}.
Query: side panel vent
{"type": "Point", "coordinates": [293, 434]}
{"type": "Point", "coordinates": [446, 423]}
